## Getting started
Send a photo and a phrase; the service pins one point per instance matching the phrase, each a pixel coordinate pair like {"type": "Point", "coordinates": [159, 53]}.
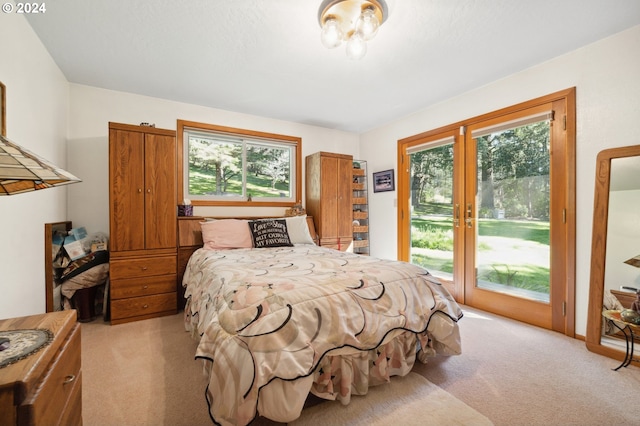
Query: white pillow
{"type": "Point", "coordinates": [298, 230]}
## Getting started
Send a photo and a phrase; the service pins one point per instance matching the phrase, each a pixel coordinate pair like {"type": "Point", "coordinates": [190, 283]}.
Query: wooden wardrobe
{"type": "Point", "coordinates": [142, 221]}
{"type": "Point", "coordinates": [329, 198]}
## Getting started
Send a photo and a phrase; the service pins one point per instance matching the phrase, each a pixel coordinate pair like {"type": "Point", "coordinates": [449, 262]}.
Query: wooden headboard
{"type": "Point", "coordinates": [190, 235]}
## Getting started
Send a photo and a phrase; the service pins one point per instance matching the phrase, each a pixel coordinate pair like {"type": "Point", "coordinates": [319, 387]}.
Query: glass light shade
{"type": "Point", "coordinates": [352, 21]}
{"type": "Point", "coordinates": [331, 35]}
{"type": "Point", "coordinates": [356, 47]}
{"type": "Point", "coordinates": [23, 171]}
{"type": "Point", "coordinates": [367, 24]}
{"type": "Point", "coordinates": [634, 261]}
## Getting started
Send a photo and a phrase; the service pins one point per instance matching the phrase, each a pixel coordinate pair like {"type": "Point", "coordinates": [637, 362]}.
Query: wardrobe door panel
{"type": "Point", "coordinates": [160, 190]}
{"type": "Point", "coordinates": [126, 190]}
{"type": "Point", "coordinates": [344, 208]}
{"type": "Point", "coordinates": [329, 196]}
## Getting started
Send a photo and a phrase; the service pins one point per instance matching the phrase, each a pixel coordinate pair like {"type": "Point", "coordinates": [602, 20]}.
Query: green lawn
{"type": "Point", "coordinates": [522, 240]}
{"type": "Point", "coordinates": [203, 183]}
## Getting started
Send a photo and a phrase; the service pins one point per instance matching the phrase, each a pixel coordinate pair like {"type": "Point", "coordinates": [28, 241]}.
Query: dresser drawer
{"type": "Point", "coordinates": [57, 399]}
{"type": "Point", "coordinates": [341, 244]}
{"type": "Point", "coordinates": [145, 305]}
{"type": "Point", "coordinates": [142, 267]}
{"type": "Point", "coordinates": [145, 286]}
{"type": "Point", "coordinates": [73, 414]}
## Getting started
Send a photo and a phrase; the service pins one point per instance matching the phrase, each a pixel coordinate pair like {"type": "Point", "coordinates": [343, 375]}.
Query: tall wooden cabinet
{"type": "Point", "coordinates": [328, 198]}
{"type": "Point", "coordinates": [142, 221]}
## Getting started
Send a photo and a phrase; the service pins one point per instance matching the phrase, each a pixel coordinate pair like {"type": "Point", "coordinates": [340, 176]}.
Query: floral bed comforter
{"type": "Point", "coordinates": [277, 323]}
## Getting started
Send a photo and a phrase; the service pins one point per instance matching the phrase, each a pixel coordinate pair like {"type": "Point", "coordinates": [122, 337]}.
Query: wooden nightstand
{"type": "Point", "coordinates": [45, 388]}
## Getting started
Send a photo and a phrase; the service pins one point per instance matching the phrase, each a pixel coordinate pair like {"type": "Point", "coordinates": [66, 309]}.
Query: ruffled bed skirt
{"type": "Point", "coordinates": [341, 373]}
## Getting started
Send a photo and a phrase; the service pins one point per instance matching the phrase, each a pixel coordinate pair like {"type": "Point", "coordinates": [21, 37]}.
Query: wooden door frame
{"type": "Point", "coordinates": [455, 287]}
{"type": "Point", "coordinates": [540, 314]}
{"type": "Point", "coordinates": [562, 321]}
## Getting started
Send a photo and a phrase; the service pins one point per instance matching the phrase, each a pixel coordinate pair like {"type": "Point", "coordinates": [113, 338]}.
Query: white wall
{"type": "Point", "coordinates": [37, 100]}
{"type": "Point", "coordinates": [92, 108]}
{"type": "Point", "coordinates": [606, 75]}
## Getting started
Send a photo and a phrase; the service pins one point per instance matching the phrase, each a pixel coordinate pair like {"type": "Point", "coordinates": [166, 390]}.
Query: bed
{"type": "Point", "coordinates": [279, 320]}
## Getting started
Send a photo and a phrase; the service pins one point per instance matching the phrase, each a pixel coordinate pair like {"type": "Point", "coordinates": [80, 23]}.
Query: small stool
{"type": "Point", "coordinates": [84, 301]}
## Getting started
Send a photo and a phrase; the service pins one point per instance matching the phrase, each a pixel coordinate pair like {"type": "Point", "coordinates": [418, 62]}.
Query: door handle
{"type": "Point", "coordinates": [456, 216]}
{"type": "Point", "coordinates": [469, 220]}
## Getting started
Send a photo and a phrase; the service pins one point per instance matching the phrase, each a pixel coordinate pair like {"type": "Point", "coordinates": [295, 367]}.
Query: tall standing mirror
{"type": "Point", "coordinates": [615, 240]}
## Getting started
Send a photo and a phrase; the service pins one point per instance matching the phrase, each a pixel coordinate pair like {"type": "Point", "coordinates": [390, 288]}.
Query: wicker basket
{"type": "Point", "coordinates": [360, 215]}
{"type": "Point", "coordinates": [360, 243]}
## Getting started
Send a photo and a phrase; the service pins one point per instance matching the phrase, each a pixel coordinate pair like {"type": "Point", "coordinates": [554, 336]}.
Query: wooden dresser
{"type": "Point", "coordinates": [142, 222]}
{"type": "Point", "coordinates": [45, 388]}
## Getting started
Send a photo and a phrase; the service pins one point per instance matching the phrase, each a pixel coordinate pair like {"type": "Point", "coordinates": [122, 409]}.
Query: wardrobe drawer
{"type": "Point", "coordinates": [57, 398]}
{"type": "Point", "coordinates": [145, 286]}
{"type": "Point", "coordinates": [342, 244]}
{"type": "Point", "coordinates": [142, 267]}
{"type": "Point", "coordinates": [145, 305]}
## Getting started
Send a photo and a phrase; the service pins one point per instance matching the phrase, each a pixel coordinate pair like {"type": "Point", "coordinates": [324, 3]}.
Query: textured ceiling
{"type": "Point", "coordinates": [264, 57]}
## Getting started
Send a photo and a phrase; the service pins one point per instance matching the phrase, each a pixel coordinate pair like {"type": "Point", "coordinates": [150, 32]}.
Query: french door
{"type": "Point", "coordinates": [487, 207]}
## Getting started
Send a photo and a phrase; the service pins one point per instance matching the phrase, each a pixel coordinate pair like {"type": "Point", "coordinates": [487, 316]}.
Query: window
{"type": "Point", "coordinates": [232, 167]}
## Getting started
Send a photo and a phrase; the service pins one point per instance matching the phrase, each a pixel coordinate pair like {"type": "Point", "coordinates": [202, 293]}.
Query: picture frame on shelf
{"type": "Point", "coordinates": [384, 181]}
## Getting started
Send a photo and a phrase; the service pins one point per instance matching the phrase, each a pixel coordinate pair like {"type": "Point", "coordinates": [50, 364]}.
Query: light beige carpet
{"type": "Point", "coordinates": [408, 400]}
{"type": "Point", "coordinates": [144, 373]}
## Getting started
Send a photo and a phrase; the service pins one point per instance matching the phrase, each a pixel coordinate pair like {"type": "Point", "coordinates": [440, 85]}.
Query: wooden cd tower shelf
{"type": "Point", "coordinates": [360, 208]}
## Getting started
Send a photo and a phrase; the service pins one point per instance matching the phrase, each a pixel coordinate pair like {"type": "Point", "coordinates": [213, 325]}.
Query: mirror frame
{"type": "Point", "coordinates": [599, 250]}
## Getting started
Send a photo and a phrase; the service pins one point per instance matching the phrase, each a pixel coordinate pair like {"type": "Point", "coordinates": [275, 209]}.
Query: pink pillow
{"type": "Point", "coordinates": [226, 234]}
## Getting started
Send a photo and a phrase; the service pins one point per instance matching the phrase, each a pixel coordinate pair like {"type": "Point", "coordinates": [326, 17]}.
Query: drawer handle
{"type": "Point", "coordinates": [69, 379]}
{"type": "Point", "coordinates": [144, 268]}
{"type": "Point", "coordinates": [145, 287]}
{"type": "Point", "coordinates": [145, 306]}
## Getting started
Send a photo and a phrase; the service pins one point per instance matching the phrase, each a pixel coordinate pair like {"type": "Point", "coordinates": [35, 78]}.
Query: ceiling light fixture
{"type": "Point", "coordinates": [352, 21]}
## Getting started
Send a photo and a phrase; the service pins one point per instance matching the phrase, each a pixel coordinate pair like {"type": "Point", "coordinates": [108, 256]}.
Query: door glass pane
{"type": "Point", "coordinates": [512, 211]}
{"type": "Point", "coordinates": [431, 177]}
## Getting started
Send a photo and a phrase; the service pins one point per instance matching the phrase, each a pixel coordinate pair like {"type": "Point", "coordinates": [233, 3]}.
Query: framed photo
{"type": "Point", "coordinates": [3, 113]}
{"type": "Point", "coordinates": [383, 181]}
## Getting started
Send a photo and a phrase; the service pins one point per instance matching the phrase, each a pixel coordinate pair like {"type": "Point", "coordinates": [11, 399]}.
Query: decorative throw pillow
{"type": "Point", "coordinates": [269, 233]}
{"type": "Point", "coordinates": [225, 234]}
